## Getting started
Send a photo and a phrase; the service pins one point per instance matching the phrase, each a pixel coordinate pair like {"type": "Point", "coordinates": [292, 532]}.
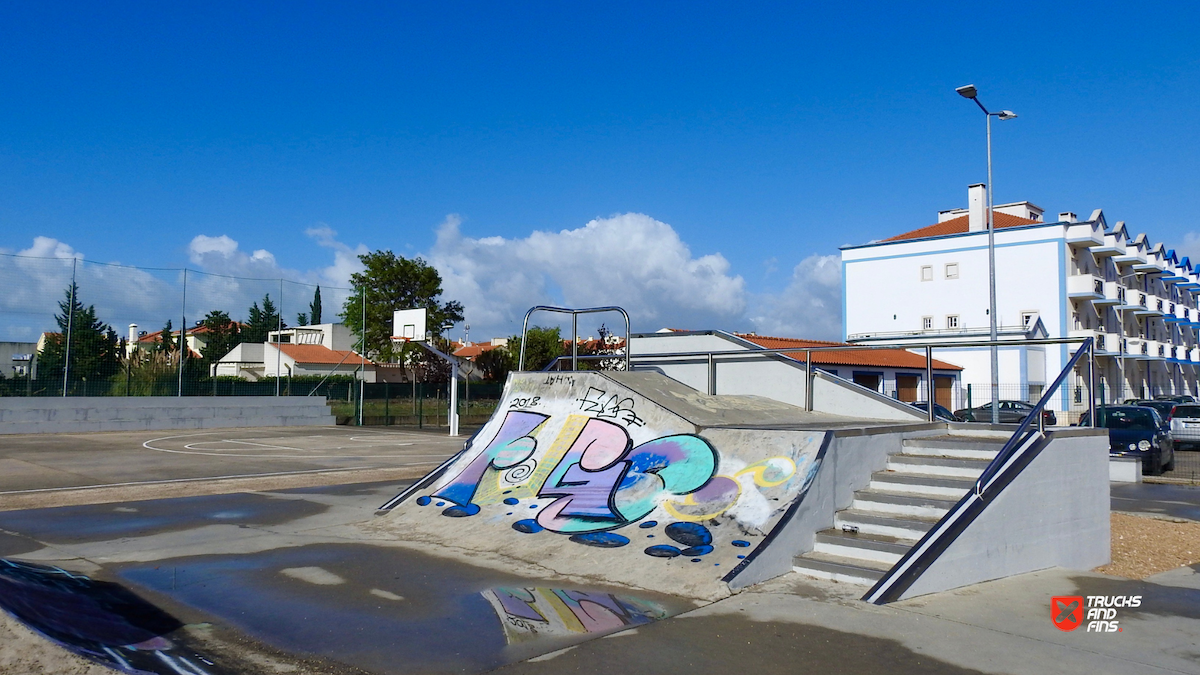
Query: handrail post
{"type": "Point", "coordinates": [929, 381]}
{"type": "Point", "coordinates": [712, 376]}
{"type": "Point", "coordinates": [574, 341]}
{"type": "Point", "coordinates": [524, 339]}
{"type": "Point", "coordinates": [808, 380]}
{"type": "Point", "coordinates": [1092, 384]}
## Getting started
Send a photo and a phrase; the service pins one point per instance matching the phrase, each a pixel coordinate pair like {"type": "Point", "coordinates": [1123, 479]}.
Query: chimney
{"type": "Point", "coordinates": [1067, 217]}
{"type": "Point", "coordinates": [133, 333]}
{"type": "Point", "coordinates": [977, 208]}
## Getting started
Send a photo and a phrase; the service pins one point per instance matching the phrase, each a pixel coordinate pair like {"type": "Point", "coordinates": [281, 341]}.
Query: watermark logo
{"type": "Point", "coordinates": [1066, 611]}
{"type": "Point", "coordinates": [1069, 612]}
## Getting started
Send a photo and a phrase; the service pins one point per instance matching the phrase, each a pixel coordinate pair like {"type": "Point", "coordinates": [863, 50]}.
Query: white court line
{"type": "Point", "coordinates": [234, 440]}
{"type": "Point", "coordinates": [190, 451]}
{"type": "Point", "coordinates": [192, 480]}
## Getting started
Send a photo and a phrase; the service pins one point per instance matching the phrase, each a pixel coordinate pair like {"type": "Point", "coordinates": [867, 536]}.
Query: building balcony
{"type": "Point", "coordinates": [1108, 343]}
{"type": "Point", "coordinates": [1178, 313]}
{"type": "Point", "coordinates": [1085, 234]}
{"type": "Point", "coordinates": [1134, 301]}
{"type": "Point", "coordinates": [1085, 287]}
{"type": "Point", "coordinates": [1114, 294]}
{"type": "Point", "coordinates": [1132, 256]}
{"type": "Point", "coordinates": [1137, 348]}
{"type": "Point", "coordinates": [1113, 245]}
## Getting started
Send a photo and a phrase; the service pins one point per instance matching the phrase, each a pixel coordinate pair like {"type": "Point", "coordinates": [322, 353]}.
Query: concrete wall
{"type": "Point", "coordinates": [763, 375]}
{"type": "Point", "coordinates": [1055, 513]}
{"type": "Point", "coordinates": [846, 465]}
{"type": "Point", "coordinates": [144, 413]}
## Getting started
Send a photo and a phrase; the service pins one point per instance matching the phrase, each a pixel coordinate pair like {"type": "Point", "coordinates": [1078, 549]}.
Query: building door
{"type": "Point", "coordinates": [906, 388]}
{"type": "Point", "coordinates": [868, 380]}
{"type": "Point", "coordinates": [943, 389]}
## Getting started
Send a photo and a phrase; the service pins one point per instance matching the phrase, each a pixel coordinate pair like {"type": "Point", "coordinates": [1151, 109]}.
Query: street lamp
{"type": "Point", "coordinates": [969, 91]}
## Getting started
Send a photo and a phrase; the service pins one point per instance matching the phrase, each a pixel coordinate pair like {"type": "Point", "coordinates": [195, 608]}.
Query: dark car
{"type": "Point", "coordinates": [1011, 412]}
{"type": "Point", "coordinates": [1136, 431]}
{"type": "Point", "coordinates": [1163, 406]}
{"type": "Point", "coordinates": [939, 411]}
{"type": "Point", "coordinates": [1178, 398]}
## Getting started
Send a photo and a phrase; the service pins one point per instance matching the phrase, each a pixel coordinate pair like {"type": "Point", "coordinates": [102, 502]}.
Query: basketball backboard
{"type": "Point", "coordinates": [409, 324]}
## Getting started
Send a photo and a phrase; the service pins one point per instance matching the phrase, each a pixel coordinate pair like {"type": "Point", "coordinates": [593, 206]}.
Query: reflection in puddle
{"type": "Point", "coordinates": [531, 613]}
{"type": "Point", "coordinates": [98, 620]}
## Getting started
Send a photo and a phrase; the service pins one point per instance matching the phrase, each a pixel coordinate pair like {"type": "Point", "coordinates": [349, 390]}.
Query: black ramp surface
{"type": "Point", "coordinates": [98, 620]}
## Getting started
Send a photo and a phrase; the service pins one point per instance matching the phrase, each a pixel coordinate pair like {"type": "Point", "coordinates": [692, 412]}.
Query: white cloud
{"type": "Point", "coordinates": [630, 260]}
{"type": "Point", "coordinates": [810, 306]}
{"type": "Point", "coordinates": [35, 283]}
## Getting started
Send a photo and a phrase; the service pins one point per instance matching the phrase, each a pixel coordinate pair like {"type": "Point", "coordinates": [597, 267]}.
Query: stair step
{"type": "Point", "coordinates": [866, 522]}
{"type": "Point", "coordinates": [901, 504]}
{"type": "Point", "coordinates": [864, 546]}
{"type": "Point", "coordinates": [959, 452]}
{"type": "Point", "coordinates": [937, 466]}
{"type": "Point", "coordinates": [943, 487]}
{"type": "Point", "coordinates": [838, 568]}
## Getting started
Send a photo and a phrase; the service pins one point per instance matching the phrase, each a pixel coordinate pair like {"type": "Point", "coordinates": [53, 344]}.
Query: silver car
{"type": "Point", "coordinates": [1185, 425]}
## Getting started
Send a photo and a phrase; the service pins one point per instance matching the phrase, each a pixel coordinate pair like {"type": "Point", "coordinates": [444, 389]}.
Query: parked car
{"type": "Point", "coordinates": [939, 411]}
{"type": "Point", "coordinates": [1179, 398]}
{"type": "Point", "coordinates": [1011, 412]}
{"type": "Point", "coordinates": [1136, 431]}
{"type": "Point", "coordinates": [1185, 426]}
{"type": "Point", "coordinates": [1163, 407]}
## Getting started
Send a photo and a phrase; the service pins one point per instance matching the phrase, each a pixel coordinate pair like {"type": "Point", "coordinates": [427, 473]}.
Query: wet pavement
{"type": "Point", "coordinates": [78, 524]}
{"type": "Point", "coordinates": [391, 610]}
{"type": "Point", "coordinates": [1157, 499]}
{"type": "Point", "coordinates": [288, 574]}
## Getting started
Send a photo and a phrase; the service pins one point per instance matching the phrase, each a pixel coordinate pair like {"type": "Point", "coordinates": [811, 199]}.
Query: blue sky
{"type": "Point", "coordinates": [760, 136]}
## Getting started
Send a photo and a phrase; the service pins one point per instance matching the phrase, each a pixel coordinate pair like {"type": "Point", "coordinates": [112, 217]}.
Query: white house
{"type": "Point", "coordinates": [1066, 278]}
{"type": "Point", "coordinates": [323, 349]}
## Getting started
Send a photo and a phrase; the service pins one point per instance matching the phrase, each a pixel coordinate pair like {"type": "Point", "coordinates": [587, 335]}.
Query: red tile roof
{"type": "Point", "coordinates": [470, 351]}
{"type": "Point", "coordinates": [960, 225]}
{"type": "Point", "coordinates": [879, 358]}
{"type": "Point", "coordinates": [318, 354]}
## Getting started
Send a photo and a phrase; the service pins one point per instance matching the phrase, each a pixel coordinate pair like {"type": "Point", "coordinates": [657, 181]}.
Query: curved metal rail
{"type": "Point", "coordinates": [574, 330]}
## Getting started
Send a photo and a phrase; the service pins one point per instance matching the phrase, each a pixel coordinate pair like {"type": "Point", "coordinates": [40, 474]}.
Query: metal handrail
{"type": "Point", "coordinates": [1023, 430]}
{"type": "Point", "coordinates": [574, 330]}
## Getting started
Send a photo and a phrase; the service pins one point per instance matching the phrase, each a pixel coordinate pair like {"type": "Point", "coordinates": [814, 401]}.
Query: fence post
{"type": "Point", "coordinates": [808, 380]}
{"type": "Point", "coordinates": [929, 381]}
{"type": "Point", "coordinates": [712, 376]}
{"type": "Point", "coordinates": [387, 408]}
{"type": "Point", "coordinates": [421, 408]}
{"type": "Point", "coordinates": [969, 397]}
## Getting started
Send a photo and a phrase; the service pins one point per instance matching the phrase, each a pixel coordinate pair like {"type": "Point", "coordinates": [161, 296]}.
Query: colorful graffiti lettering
{"type": "Point", "coordinates": [513, 445]}
{"type": "Point", "coordinates": [602, 483]}
{"type": "Point", "coordinates": [722, 492]}
{"type": "Point", "coordinates": [527, 613]}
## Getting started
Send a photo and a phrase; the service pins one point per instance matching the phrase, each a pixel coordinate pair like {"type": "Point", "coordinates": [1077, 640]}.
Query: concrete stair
{"type": "Point", "coordinates": [918, 487]}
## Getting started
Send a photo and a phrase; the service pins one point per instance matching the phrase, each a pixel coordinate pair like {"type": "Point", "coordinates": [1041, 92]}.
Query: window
{"type": "Point", "coordinates": [926, 272]}
{"type": "Point", "coordinates": [951, 270]}
{"type": "Point", "coordinates": [1027, 318]}
{"type": "Point", "coordinates": [926, 322]}
{"type": "Point", "coordinates": [952, 321]}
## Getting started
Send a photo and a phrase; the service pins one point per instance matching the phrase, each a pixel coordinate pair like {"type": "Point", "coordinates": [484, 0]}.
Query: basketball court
{"type": "Point", "coordinates": [60, 469]}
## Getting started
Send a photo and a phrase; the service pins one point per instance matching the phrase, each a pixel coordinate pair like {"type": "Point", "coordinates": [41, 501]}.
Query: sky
{"type": "Point", "coordinates": [697, 163]}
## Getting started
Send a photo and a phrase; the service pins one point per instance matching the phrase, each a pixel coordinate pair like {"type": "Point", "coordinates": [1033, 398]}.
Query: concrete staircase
{"type": "Point", "coordinates": [901, 504]}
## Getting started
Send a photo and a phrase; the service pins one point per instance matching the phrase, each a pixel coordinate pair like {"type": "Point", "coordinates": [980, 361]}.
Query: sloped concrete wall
{"type": "Point", "coordinates": [151, 413]}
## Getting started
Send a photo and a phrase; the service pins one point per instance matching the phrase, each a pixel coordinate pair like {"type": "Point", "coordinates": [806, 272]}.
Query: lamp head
{"type": "Point", "coordinates": [967, 91]}
{"type": "Point", "coordinates": [1006, 114]}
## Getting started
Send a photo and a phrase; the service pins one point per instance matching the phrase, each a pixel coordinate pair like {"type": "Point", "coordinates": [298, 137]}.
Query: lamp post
{"type": "Point", "coordinates": [969, 91]}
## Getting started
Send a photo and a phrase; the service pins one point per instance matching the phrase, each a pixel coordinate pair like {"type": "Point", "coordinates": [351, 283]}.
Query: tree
{"type": "Point", "coordinates": [393, 282]}
{"type": "Point", "coordinates": [95, 350]}
{"type": "Point", "coordinates": [166, 339]}
{"type": "Point", "coordinates": [261, 321]}
{"type": "Point", "coordinates": [543, 346]}
{"type": "Point", "coordinates": [222, 333]}
{"type": "Point", "coordinates": [314, 308]}
{"type": "Point", "coordinates": [494, 364]}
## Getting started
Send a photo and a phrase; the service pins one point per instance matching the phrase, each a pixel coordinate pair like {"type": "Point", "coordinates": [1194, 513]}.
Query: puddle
{"type": "Point", "coordinates": [101, 522]}
{"type": "Point", "coordinates": [98, 620]}
{"type": "Point", "coordinates": [398, 611]}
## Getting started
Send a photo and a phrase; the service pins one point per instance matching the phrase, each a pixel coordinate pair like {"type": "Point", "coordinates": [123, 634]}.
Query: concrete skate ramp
{"type": "Point", "coordinates": [626, 478]}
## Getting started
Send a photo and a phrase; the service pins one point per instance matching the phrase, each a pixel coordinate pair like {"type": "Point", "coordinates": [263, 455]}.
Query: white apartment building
{"type": "Point", "coordinates": [1066, 278]}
